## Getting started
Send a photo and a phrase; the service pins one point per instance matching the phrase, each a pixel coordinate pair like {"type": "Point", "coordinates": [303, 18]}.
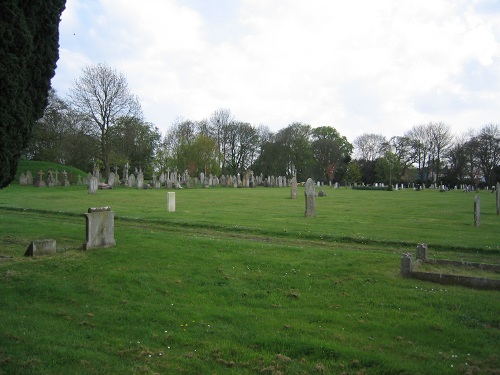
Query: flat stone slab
{"type": "Point", "coordinates": [41, 247]}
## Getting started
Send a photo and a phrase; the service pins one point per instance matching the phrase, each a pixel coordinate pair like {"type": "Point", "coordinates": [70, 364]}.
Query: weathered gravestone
{"type": "Point", "coordinates": [407, 264]}
{"type": "Point", "coordinates": [310, 194]}
{"type": "Point", "coordinates": [65, 181]}
{"type": "Point", "coordinates": [100, 228]}
{"type": "Point", "coordinates": [477, 211]}
{"type": "Point", "coordinates": [111, 179]}
{"type": "Point", "coordinates": [23, 181]}
{"type": "Point", "coordinates": [140, 180]}
{"type": "Point", "coordinates": [93, 185]}
{"type": "Point", "coordinates": [29, 178]}
{"type": "Point", "coordinates": [171, 201]}
{"type": "Point", "coordinates": [497, 192]}
{"type": "Point", "coordinates": [40, 182]}
{"type": "Point", "coordinates": [41, 247]}
{"type": "Point", "coordinates": [422, 251]}
{"type": "Point", "coordinates": [293, 188]}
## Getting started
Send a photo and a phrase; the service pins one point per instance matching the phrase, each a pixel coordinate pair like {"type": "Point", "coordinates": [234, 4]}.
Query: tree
{"type": "Point", "coordinates": [487, 151]}
{"type": "Point", "coordinates": [102, 96]}
{"type": "Point", "coordinates": [29, 49]}
{"type": "Point", "coordinates": [134, 141]}
{"type": "Point", "coordinates": [457, 156]}
{"type": "Point", "coordinates": [50, 133]}
{"type": "Point", "coordinates": [370, 146]}
{"type": "Point", "coordinates": [242, 144]}
{"type": "Point", "coordinates": [388, 168]}
{"type": "Point", "coordinates": [440, 138]}
{"type": "Point", "coordinates": [294, 142]}
{"type": "Point", "coordinates": [353, 172]}
{"type": "Point", "coordinates": [331, 151]}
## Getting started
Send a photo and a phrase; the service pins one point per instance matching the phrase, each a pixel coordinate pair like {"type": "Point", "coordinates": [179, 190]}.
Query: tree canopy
{"type": "Point", "coordinates": [29, 50]}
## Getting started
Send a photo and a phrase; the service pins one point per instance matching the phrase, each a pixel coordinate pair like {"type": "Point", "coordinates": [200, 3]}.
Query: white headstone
{"type": "Point", "coordinates": [171, 201]}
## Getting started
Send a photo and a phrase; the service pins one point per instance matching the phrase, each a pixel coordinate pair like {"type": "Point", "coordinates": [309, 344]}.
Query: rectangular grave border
{"type": "Point", "coordinates": [409, 269]}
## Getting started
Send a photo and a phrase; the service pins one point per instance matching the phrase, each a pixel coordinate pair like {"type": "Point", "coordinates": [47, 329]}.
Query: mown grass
{"type": "Point", "coordinates": [238, 281]}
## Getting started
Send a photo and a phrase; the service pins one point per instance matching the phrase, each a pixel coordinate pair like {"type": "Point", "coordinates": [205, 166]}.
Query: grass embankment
{"type": "Point", "coordinates": [35, 166]}
{"type": "Point", "coordinates": [238, 281]}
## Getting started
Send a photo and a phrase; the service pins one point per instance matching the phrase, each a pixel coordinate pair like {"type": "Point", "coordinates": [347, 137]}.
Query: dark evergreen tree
{"type": "Point", "coordinates": [29, 49]}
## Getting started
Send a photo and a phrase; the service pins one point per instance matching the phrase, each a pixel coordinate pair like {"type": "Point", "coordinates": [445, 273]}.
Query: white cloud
{"type": "Point", "coordinates": [361, 66]}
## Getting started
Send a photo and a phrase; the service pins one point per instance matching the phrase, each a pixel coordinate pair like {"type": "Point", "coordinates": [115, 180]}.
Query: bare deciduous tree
{"type": "Point", "coordinates": [370, 146]}
{"type": "Point", "coordinates": [102, 95]}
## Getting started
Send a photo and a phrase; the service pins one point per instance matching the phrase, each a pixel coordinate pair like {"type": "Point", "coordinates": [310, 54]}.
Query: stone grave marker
{"type": "Point", "coordinates": [93, 185]}
{"type": "Point", "coordinates": [310, 194]}
{"type": "Point", "coordinates": [140, 180]}
{"type": "Point", "coordinates": [477, 211]}
{"type": "Point", "coordinates": [65, 181]}
{"type": "Point", "coordinates": [40, 179]}
{"type": "Point", "coordinates": [23, 181]}
{"type": "Point", "coordinates": [293, 188]}
{"type": "Point", "coordinates": [171, 201]}
{"type": "Point", "coordinates": [29, 178]}
{"type": "Point", "coordinates": [497, 193]}
{"type": "Point", "coordinates": [100, 229]}
{"type": "Point", "coordinates": [41, 247]}
{"type": "Point", "coordinates": [111, 179]}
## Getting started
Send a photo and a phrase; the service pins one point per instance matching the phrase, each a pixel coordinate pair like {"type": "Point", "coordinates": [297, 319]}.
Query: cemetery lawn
{"type": "Point", "coordinates": [237, 281]}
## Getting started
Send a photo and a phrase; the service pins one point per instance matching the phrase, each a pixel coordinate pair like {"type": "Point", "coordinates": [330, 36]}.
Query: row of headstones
{"type": "Point", "coordinates": [52, 178]}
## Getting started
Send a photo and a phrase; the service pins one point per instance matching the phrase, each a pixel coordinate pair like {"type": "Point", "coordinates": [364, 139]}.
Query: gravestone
{"type": "Point", "coordinates": [23, 181]}
{"type": "Point", "coordinates": [310, 194]}
{"type": "Point", "coordinates": [111, 179]}
{"type": "Point", "coordinates": [93, 185]}
{"type": "Point", "coordinates": [65, 181]}
{"type": "Point", "coordinates": [40, 182]}
{"type": "Point", "coordinates": [140, 180]}
{"type": "Point", "coordinates": [171, 201]}
{"type": "Point", "coordinates": [41, 247]}
{"type": "Point", "coordinates": [100, 228]}
{"type": "Point", "coordinates": [29, 178]}
{"type": "Point", "coordinates": [477, 211]}
{"type": "Point", "coordinates": [79, 180]}
{"type": "Point", "coordinates": [422, 251]}
{"type": "Point", "coordinates": [293, 188]}
{"type": "Point", "coordinates": [406, 264]}
{"type": "Point", "coordinates": [497, 192]}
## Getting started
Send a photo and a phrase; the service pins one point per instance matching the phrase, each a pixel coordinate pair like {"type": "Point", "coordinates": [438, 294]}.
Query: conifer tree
{"type": "Point", "coordinates": [29, 49]}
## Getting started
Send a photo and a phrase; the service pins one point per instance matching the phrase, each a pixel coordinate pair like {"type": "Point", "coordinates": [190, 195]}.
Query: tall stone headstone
{"type": "Point", "coordinates": [100, 228]}
{"type": "Point", "coordinates": [497, 193]}
{"type": "Point", "coordinates": [140, 180]}
{"type": "Point", "coordinates": [40, 182]}
{"type": "Point", "coordinates": [23, 180]}
{"type": "Point", "coordinates": [65, 181]}
{"type": "Point", "coordinates": [293, 188]}
{"type": "Point", "coordinates": [421, 251]}
{"type": "Point", "coordinates": [93, 185]}
{"type": "Point", "coordinates": [29, 178]}
{"type": "Point", "coordinates": [407, 264]}
{"type": "Point", "coordinates": [111, 179]}
{"type": "Point", "coordinates": [477, 211]}
{"type": "Point", "coordinates": [171, 201]}
{"type": "Point", "coordinates": [310, 194]}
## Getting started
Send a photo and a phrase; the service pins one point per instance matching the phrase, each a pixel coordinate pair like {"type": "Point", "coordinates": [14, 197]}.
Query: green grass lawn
{"type": "Point", "coordinates": [237, 281]}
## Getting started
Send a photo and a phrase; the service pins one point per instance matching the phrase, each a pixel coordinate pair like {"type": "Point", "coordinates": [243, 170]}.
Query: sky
{"type": "Point", "coordinates": [360, 66]}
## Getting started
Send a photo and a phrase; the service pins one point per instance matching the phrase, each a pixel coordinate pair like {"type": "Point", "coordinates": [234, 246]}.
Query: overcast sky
{"type": "Point", "coordinates": [361, 66]}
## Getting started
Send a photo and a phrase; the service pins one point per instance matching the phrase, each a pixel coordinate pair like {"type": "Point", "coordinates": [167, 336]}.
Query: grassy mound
{"type": "Point", "coordinates": [35, 166]}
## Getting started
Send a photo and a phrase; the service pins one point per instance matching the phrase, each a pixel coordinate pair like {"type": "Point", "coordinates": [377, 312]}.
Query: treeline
{"type": "Point", "coordinates": [101, 123]}
{"type": "Point", "coordinates": [429, 154]}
